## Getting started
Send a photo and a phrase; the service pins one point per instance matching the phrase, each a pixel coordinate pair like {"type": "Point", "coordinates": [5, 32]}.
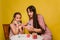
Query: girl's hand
{"type": "Point", "coordinates": [16, 24]}
{"type": "Point", "coordinates": [20, 29]}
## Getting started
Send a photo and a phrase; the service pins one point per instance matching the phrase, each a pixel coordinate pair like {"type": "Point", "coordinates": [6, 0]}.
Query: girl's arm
{"type": "Point", "coordinates": [14, 30]}
{"type": "Point", "coordinates": [21, 30]}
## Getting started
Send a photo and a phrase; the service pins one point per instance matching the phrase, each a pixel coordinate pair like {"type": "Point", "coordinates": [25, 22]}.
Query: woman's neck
{"type": "Point", "coordinates": [31, 19]}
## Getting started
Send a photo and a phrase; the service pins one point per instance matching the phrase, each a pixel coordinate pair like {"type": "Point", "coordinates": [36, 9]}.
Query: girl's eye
{"type": "Point", "coordinates": [20, 17]}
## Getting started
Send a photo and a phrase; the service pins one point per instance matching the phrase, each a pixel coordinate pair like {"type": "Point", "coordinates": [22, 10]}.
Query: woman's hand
{"type": "Point", "coordinates": [37, 30]}
{"type": "Point", "coordinates": [29, 28]}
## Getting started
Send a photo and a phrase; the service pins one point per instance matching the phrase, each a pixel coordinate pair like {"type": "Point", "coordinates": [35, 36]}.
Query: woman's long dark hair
{"type": "Point", "coordinates": [16, 13]}
{"type": "Point", "coordinates": [35, 18]}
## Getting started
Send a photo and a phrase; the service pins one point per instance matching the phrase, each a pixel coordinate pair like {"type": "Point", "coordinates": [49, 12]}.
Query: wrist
{"type": "Point", "coordinates": [34, 30]}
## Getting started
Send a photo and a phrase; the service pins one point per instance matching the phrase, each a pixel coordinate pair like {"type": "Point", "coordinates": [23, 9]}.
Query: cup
{"type": "Point", "coordinates": [34, 35]}
{"type": "Point", "coordinates": [28, 35]}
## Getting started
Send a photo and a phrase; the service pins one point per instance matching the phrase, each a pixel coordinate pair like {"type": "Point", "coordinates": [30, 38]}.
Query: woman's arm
{"type": "Point", "coordinates": [37, 30]}
{"type": "Point", "coordinates": [14, 30]}
{"type": "Point", "coordinates": [31, 29]}
{"type": "Point", "coordinates": [41, 23]}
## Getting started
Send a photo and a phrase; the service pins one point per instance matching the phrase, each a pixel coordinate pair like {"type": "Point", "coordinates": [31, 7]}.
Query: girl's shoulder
{"type": "Point", "coordinates": [11, 24]}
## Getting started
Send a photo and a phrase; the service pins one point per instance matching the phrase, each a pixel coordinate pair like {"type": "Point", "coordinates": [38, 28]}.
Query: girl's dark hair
{"type": "Point", "coordinates": [35, 18]}
{"type": "Point", "coordinates": [16, 13]}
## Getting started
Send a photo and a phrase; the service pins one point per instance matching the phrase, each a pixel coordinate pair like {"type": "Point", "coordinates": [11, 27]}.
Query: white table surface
{"type": "Point", "coordinates": [24, 37]}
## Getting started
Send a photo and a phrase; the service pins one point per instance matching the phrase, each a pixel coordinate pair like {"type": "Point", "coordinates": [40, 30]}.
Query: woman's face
{"type": "Point", "coordinates": [17, 18]}
{"type": "Point", "coordinates": [30, 13]}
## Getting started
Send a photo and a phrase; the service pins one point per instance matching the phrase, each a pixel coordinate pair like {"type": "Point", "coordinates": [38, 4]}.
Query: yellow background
{"type": "Point", "coordinates": [50, 9]}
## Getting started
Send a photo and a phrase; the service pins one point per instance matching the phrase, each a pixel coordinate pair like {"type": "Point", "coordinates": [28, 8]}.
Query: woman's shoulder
{"type": "Point", "coordinates": [39, 16]}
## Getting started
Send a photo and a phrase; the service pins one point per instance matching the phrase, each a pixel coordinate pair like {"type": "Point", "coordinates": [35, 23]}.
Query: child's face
{"type": "Point", "coordinates": [18, 18]}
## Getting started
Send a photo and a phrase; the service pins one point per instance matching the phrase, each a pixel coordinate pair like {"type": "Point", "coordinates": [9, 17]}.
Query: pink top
{"type": "Point", "coordinates": [47, 33]}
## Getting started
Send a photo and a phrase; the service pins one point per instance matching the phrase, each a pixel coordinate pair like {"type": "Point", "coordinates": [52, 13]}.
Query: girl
{"type": "Point", "coordinates": [16, 25]}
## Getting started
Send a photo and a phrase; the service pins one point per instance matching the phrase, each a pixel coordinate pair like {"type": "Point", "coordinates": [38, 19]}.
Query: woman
{"type": "Point", "coordinates": [36, 24]}
{"type": "Point", "coordinates": [16, 25]}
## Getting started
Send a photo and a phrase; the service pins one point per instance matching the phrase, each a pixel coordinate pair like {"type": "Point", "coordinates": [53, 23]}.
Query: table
{"type": "Point", "coordinates": [24, 37]}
